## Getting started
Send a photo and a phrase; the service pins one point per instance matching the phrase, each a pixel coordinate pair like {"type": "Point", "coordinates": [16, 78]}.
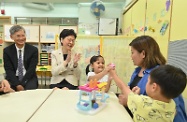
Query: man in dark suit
{"type": "Point", "coordinates": [20, 61]}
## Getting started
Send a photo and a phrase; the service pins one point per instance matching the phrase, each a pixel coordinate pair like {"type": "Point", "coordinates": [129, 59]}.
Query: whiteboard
{"type": "Point", "coordinates": [108, 26]}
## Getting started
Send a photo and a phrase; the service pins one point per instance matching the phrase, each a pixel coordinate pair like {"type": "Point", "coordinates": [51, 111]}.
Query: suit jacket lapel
{"type": "Point", "coordinates": [24, 55]}
{"type": "Point", "coordinates": [60, 57]}
{"type": "Point", "coordinates": [15, 57]}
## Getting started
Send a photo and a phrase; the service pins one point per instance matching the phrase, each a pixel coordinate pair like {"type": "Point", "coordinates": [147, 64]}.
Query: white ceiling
{"type": "Point", "coordinates": [61, 1]}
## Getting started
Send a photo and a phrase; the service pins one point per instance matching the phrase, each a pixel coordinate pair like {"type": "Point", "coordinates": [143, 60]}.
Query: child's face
{"type": "Point", "coordinates": [148, 87]}
{"type": "Point", "coordinates": [99, 65]}
{"type": "Point", "coordinates": [153, 90]}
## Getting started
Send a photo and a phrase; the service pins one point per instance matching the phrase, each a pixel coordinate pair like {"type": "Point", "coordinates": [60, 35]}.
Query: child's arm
{"type": "Point", "coordinates": [108, 83]}
{"type": "Point", "coordinates": [123, 98]}
{"type": "Point", "coordinates": [101, 74]}
{"type": "Point", "coordinates": [123, 87]}
{"type": "Point", "coordinates": [98, 76]}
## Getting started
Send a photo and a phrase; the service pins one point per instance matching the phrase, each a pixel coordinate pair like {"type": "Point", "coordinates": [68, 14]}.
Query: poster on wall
{"type": "Point", "coordinates": [108, 26]}
{"type": "Point", "coordinates": [88, 28]}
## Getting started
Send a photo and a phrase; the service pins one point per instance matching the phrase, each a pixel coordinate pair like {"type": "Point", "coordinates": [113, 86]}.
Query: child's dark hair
{"type": "Point", "coordinates": [67, 32]}
{"type": "Point", "coordinates": [92, 60]}
{"type": "Point", "coordinates": [172, 80]}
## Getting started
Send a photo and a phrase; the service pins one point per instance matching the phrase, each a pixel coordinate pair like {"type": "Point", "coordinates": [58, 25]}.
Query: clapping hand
{"type": "Point", "coordinates": [68, 59]}
{"type": "Point", "coordinates": [76, 58]}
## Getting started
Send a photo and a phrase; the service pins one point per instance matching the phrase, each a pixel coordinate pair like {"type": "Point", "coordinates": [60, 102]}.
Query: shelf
{"type": "Point", "coordinates": [45, 58]}
{"type": "Point", "coordinates": [3, 20]}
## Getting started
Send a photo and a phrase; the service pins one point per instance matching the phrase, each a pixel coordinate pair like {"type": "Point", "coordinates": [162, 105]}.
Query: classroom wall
{"type": "Point", "coordinates": [163, 21]}
{"type": "Point", "coordinates": [18, 10]}
{"type": "Point", "coordinates": [82, 11]}
{"type": "Point", "coordinates": [147, 17]}
{"type": "Point", "coordinates": [116, 50]}
{"type": "Point", "coordinates": [153, 17]}
{"type": "Point", "coordinates": [90, 23]}
{"type": "Point", "coordinates": [178, 20]}
{"type": "Point", "coordinates": [65, 10]}
{"type": "Point", "coordinates": [178, 34]}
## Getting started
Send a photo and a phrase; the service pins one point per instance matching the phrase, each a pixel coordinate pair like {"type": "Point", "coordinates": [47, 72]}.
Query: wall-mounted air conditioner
{"type": "Point", "coordinates": [39, 6]}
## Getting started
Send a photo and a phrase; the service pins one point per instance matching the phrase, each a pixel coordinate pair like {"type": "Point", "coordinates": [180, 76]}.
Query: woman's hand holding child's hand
{"type": "Point", "coordinates": [108, 68]}
{"type": "Point", "coordinates": [113, 71]}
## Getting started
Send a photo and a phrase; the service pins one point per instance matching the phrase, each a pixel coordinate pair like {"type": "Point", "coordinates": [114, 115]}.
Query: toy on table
{"type": "Point", "coordinates": [92, 97]}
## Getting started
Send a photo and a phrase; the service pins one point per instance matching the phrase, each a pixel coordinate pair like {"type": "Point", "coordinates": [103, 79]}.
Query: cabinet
{"type": "Point", "coordinates": [45, 58]}
{"type": "Point", "coordinates": [48, 33]}
{"type": "Point", "coordinates": [3, 20]}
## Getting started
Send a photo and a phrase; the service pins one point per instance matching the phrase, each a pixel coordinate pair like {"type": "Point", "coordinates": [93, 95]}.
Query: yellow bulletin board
{"type": "Point", "coordinates": [127, 23]}
{"type": "Point", "coordinates": [116, 50]}
{"type": "Point", "coordinates": [138, 18]}
{"type": "Point", "coordinates": [179, 20]}
{"type": "Point", "coordinates": [157, 14]}
{"type": "Point", "coordinates": [178, 36]}
{"type": "Point", "coordinates": [158, 21]}
{"type": "Point", "coordinates": [147, 18]}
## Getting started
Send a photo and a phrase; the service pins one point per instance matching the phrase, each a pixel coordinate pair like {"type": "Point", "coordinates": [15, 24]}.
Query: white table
{"type": "Point", "coordinates": [20, 106]}
{"type": "Point", "coordinates": [57, 106]}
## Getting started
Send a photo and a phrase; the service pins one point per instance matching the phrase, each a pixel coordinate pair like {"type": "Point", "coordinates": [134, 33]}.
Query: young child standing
{"type": "Point", "coordinates": [164, 83]}
{"type": "Point", "coordinates": [99, 72]}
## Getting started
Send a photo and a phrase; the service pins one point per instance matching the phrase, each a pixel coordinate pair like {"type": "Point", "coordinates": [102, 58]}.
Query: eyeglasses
{"type": "Point", "coordinates": [71, 40]}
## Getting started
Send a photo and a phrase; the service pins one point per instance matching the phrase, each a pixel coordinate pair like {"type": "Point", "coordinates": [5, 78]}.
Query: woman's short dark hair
{"type": "Point", "coordinates": [67, 32]}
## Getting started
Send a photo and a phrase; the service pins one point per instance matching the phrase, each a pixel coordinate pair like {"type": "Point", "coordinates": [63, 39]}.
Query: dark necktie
{"type": "Point", "coordinates": [20, 66]}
